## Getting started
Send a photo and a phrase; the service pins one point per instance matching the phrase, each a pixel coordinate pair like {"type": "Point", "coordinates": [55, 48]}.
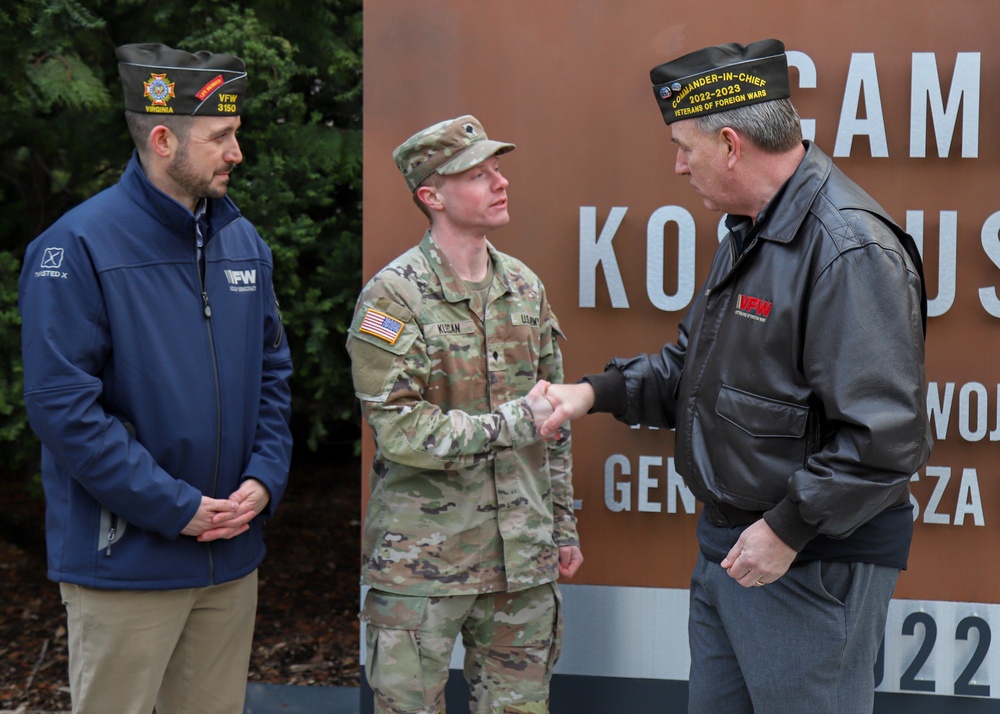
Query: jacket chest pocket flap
{"type": "Point", "coordinates": [760, 416]}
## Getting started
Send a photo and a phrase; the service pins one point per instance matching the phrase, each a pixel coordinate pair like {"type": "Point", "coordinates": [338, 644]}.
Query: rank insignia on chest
{"type": "Point", "coordinates": [381, 325]}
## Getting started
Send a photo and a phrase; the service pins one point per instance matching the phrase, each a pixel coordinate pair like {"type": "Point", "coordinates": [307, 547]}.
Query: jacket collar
{"type": "Point", "coordinates": [453, 287]}
{"type": "Point", "coordinates": [785, 217]}
{"type": "Point", "coordinates": [165, 210]}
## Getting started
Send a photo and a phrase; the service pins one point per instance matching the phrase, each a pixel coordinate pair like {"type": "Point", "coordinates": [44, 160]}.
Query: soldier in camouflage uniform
{"type": "Point", "coordinates": [470, 521]}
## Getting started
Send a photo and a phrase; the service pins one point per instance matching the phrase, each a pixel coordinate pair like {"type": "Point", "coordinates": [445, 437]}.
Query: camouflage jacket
{"type": "Point", "coordinates": [466, 498]}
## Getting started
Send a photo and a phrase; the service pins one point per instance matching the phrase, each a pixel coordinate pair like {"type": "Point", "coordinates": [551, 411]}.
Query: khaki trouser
{"type": "Point", "coordinates": [512, 642]}
{"type": "Point", "coordinates": [185, 651]}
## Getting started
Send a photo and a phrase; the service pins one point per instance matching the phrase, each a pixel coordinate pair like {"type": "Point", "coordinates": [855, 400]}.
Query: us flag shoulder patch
{"type": "Point", "coordinates": [381, 325]}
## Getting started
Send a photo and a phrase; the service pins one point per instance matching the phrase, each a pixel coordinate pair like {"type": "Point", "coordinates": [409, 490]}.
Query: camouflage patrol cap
{"type": "Point", "coordinates": [448, 147]}
{"type": "Point", "coordinates": [720, 78]}
{"type": "Point", "coordinates": [160, 80]}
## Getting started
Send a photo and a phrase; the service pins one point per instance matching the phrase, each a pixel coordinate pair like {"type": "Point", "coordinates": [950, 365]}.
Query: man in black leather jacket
{"type": "Point", "coordinates": [796, 388]}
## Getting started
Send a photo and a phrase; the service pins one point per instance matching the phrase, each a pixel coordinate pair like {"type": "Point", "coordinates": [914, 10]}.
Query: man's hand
{"type": "Point", "coordinates": [539, 405]}
{"type": "Point", "coordinates": [569, 401]}
{"type": "Point", "coordinates": [209, 508]}
{"type": "Point", "coordinates": [570, 560]}
{"type": "Point", "coordinates": [248, 500]}
{"type": "Point", "coordinates": [759, 556]}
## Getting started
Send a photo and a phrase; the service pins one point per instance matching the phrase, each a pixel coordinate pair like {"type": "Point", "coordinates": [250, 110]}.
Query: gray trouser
{"type": "Point", "coordinates": [805, 643]}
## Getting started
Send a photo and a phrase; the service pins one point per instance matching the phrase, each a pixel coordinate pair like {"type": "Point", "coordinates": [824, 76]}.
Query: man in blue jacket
{"type": "Point", "coordinates": [156, 377]}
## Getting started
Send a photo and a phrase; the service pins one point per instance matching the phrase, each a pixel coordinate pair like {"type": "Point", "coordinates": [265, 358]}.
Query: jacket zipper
{"type": "Point", "coordinates": [111, 534]}
{"type": "Point", "coordinates": [207, 311]}
{"type": "Point", "coordinates": [733, 264]}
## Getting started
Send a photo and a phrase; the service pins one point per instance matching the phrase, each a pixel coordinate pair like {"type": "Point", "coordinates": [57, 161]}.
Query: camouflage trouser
{"type": "Point", "coordinates": [511, 641]}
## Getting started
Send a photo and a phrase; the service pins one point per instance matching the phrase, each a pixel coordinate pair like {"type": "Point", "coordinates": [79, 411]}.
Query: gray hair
{"type": "Point", "coordinates": [774, 127]}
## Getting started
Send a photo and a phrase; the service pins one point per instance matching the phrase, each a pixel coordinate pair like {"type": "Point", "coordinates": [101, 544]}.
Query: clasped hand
{"type": "Point", "coordinates": [555, 404]}
{"type": "Point", "coordinates": [227, 518]}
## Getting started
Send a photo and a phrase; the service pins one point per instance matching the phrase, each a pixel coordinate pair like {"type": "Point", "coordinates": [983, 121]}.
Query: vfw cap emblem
{"type": "Point", "coordinates": [159, 89]}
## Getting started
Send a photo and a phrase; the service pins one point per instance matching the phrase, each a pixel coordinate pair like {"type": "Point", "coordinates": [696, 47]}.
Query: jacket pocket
{"type": "Point", "coordinates": [112, 530]}
{"type": "Point", "coordinates": [760, 416]}
{"type": "Point", "coordinates": [758, 444]}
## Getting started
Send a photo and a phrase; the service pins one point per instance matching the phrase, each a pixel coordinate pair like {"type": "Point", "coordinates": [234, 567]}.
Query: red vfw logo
{"type": "Point", "coordinates": [754, 307]}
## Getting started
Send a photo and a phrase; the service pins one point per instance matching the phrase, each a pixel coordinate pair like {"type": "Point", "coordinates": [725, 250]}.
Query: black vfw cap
{"type": "Point", "coordinates": [161, 80]}
{"type": "Point", "coordinates": [720, 78]}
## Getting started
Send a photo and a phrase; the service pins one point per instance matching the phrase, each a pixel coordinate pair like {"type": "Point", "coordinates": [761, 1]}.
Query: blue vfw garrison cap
{"type": "Point", "coordinates": [720, 78]}
{"type": "Point", "coordinates": [160, 80]}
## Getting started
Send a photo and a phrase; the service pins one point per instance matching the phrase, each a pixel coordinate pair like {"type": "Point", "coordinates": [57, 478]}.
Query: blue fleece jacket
{"type": "Point", "coordinates": [150, 386]}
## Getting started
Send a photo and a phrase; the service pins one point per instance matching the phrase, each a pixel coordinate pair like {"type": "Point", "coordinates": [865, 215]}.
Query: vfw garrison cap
{"type": "Point", "coordinates": [160, 80]}
{"type": "Point", "coordinates": [448, 147]}
{"type": "Point", "coordinates": [720, 78]}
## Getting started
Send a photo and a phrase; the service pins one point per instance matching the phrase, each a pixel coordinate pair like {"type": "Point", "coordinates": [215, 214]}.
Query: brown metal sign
{"type": "Point", "coordinates": [903, 94]}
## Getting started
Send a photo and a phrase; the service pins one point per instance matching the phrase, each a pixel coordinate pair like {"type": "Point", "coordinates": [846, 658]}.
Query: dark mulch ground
{"type": "Point", "coordinates": [307, 624]}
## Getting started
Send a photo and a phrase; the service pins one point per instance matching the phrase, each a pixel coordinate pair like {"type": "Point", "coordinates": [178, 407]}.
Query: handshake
{"type": "Point", "coordinates": [555, 404]}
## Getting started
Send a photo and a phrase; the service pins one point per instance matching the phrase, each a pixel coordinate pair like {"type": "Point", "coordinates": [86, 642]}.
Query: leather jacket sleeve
{"type": "Point", "coordinates": [646, 390]}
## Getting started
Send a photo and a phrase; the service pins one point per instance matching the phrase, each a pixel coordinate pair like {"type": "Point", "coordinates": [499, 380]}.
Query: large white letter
{"type": "Point", "coordinates": [926, 90]}
{"type": "Point", "coordinates": [648, 483]}
{"type": "Point", "coordinates": [995, 434]}
{"type": "Point", "coordinates": [970, 501]}
{"type": "Point", "coordinates": [947, 257]}
{"type": "Point", "coordinates": [676, 487]}
{"type": "Point", "coordinates": [656, 263]}
{"type": "Point", "coordinates": [862, 76]}
{"type": "Point", "coordinates": [988, 296]}
{"type": "Point", "coordinates": [965, 413]}
{"type": "Point", "coordinates": [807, 80]}
{"type": "Point", "coordinates": [599, 251]}
{"type": "Point", "coordinates": [617, 495]}
{"type": "Point", "coordinates": [939, 409]}
{"type": "Point", "coordinates": [943, 476]}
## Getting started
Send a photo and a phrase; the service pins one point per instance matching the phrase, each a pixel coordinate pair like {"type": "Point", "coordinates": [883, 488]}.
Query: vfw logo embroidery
{"type": "Point", "coordinates": [242, 281]}
{"type": "Point", "coordinates": [753, 307]}
{"type": "Point", "coordinates": [159, 89]}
